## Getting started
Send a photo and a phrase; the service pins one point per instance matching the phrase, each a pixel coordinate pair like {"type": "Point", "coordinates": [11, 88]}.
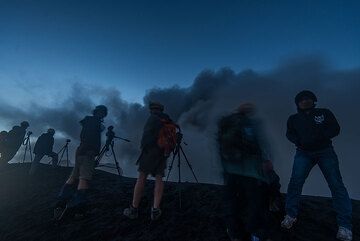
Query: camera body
{"type": "Point", "coordinates": [110, 135]}
{"type": "Point", "coordinates": [68, 140]}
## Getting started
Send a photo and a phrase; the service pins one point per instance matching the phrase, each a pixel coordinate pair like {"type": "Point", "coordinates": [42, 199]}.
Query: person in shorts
{"type": "Point", "coordinates": [89, 148]}
{"type": "Point", "coordinates": [152, 161]}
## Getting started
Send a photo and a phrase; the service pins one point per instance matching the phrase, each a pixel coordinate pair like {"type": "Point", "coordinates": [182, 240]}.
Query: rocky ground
{"type": "Point", "coordinates": [26, 211]}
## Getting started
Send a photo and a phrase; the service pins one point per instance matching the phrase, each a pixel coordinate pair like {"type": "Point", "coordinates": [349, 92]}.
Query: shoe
{"type": "Point", "coordinates": [131, 212]}
{"type": "Point", "coordinates": [288, 222]}
{"type": "Point", "coordinates": [155, 213]}
{"type": "Point", "coordinates": [344, 234]}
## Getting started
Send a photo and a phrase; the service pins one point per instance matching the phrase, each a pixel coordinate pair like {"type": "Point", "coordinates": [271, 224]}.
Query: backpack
{"type": "Point", "coordinates": [167, 136]}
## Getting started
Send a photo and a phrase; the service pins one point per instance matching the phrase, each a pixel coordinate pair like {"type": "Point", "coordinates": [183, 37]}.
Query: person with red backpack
{"type": "Point", "coordinates": [158, 141]}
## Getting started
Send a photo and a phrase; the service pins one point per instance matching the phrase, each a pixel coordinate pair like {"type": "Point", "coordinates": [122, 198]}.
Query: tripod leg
{"type": "Point", "coordinates": [67, 155]}
{"type": "Point", "coordinates": [171, 165]}
{"type": "Point", "coordinates": [99, 157]}
{"type": "Point", "coordinates": [188, 163]}
{"type": "Point", "coordinates": [61, 157]}
{"type": "Point", "coordinates": [179, 181]}
{"type": "Point", "coordinates": [116, 162]}
{"type": "Point", "coordinates": [26, 147]}
{"type": "Point", "coordinates": [58, 163]}
{"type": "Point", "coordinates": [31, 158]}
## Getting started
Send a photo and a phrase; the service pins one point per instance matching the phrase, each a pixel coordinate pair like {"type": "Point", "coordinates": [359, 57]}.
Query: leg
{"type": "Point", "coordinates": [258, 207]}
{"type": "Point", "coordinates": [54, 158]}
{"type": "Point", "coordinates": [301, 169]}
{"type": "Point", "coordinates": [158, 192]}
{"type": "Point", "coordinates": [139, 188]}
{"type": "Point", "coordinates": [329, 166]}
{"type": "Point", "coordinates": [233, 204]}
{"type": "Point", "coordinates": [35, 163]}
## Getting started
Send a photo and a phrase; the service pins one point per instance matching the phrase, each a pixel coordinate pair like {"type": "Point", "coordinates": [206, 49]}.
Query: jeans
{"type": "Point", "coordinates": [328, 162]}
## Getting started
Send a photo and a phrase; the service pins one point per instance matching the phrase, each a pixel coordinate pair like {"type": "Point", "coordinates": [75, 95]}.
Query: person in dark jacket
{"type": "Point", "coordinates": [14, 140]}
{"type": "Point", "coordinates": [311, 130]}
{"type": "Point", "coordinates": [245, 157]}
{"type": "Point", "coordinates": [44, 146]}
{"type": "Point", "coordinates": [152, 161]}
{"type": "Point", "coordinates": [89, 148]}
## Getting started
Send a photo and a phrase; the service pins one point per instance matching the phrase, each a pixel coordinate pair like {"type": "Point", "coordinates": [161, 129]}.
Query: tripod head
{"type": "Point", "coordinates": [111, 136]}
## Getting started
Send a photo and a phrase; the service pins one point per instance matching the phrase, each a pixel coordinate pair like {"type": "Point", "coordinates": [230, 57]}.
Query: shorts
{"type": "Point", "coordinates": [152, 161]}
{"type": "Point", "coordinates": [84, 165]}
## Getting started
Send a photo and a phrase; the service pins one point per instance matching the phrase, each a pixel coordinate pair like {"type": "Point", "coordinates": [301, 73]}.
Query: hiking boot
{"type": "Point", "coordinates": [155, 213]}
{"type": "Point", "coordinates": [344, 234]}
{"type": "Point", "coordinates": [288, 222]}
{"type": "Point", "coordinates": [131, 212]}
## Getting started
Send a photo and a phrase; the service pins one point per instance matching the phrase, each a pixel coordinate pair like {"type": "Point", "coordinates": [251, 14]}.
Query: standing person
{"type": "Point", "coordinates": [44, 146]}
{"type": "Point", "coordinates": [89, 148]}
{"type": "Point", "coordinates": [152, 161]}
{"type": "Point", "coordinates": [245, 159]}
{"type": "Point", "coordinates": [311, 130]}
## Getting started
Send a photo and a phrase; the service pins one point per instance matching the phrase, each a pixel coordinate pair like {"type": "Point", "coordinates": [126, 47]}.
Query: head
{"type": "Point", "coordinates": [305, 100]}
{"type": "Point", "coordinates": [100, 111]}
{"type": "Point", "coordinates": [51, 131]}
{"type": "Point", "coordinates": [156, 107]}
{"type": "Point", "coordinates": [247, 108]}
{"type": "Point", "coordinates": [24, 124]}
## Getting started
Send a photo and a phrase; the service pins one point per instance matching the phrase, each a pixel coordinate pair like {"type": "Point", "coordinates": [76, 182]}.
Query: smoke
{"type": "Point", "coordinates": [213, 94]}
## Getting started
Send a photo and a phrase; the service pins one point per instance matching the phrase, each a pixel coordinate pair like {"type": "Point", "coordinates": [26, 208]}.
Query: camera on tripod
{"type": "Point", "coordinates": [179, 137]}
{"type": "Point", "coordinates": [29, 133]}
{"type": "Point", "coordinates": [68, 140]}
{"type": "Point", "coordinates": [109, 146]}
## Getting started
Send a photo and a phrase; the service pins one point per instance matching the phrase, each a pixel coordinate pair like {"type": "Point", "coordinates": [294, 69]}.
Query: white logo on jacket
{"type": "Point", "coordinates": [319, 119]}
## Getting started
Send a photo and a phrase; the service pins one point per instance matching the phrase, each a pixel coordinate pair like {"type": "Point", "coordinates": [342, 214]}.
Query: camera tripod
{"type": "Point", "coordinates": [177, 154]}
{"type": "Point", "coordinates": [27, 145]}
{"type": "Point", "coordinates": [63, 150]}
{"type": "Point", "coordinates": [109, 146]}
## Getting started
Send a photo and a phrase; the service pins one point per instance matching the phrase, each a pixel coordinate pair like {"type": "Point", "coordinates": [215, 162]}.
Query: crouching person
{"type": "Point", "coordinates": [73, 195]}
{"type": "Point", "coordinates": [245, 159]}
{"type": "Point", "coordinates": [152, 161]}
{"type": "Point", "coordinates": [44, 146]}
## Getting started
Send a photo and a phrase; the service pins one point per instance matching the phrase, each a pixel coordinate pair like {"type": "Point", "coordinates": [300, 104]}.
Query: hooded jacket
{"type": "Point", "coordinates": [312, 130]}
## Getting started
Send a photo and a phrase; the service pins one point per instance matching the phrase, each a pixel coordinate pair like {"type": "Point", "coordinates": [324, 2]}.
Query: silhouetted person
{"type": "Point", "coordinates": [311, 130]}
{"type": "Point", "coordinates": [89, 148]}
{"type": "Point", "coordinates": [44, 147]}
{"type": "Point", "coordinates": [152, 161]}
{"type": "Point", "coordinates": [14, 140]}
{"type": "Point", "coordinates": [245, 157]}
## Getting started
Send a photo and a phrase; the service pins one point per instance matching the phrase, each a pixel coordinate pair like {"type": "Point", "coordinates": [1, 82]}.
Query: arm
{"type": "Point", "coordinates": [291, 132]}
{"type": "Point", "coordinates": [332, 127]}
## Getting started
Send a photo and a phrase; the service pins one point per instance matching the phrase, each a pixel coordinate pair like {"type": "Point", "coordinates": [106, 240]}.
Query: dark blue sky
{"type": "Point", "coordinates": [46, 46]}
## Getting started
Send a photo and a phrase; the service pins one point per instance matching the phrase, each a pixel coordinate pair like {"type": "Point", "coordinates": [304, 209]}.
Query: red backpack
{"type": "Point", "coordinates": [167, 136]}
